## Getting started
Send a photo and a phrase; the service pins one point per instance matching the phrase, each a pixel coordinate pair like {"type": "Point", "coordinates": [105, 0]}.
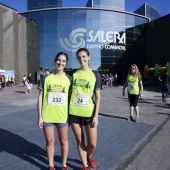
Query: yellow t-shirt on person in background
{"type": "Point", "coordinates": [133, 84]}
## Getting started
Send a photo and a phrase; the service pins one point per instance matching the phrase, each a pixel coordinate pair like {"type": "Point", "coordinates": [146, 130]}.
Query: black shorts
{"type": "Point", "coordinates": [80, 120]}
{"type": "Point", "coordinates": [133, 99]}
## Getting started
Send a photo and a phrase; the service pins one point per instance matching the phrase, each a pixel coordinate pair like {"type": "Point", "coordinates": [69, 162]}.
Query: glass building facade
{"type": "Point", "coordinates": [40, 4]}
{"type": "Point", "coordinates": [148, 11]}
{"type": "Point", "coordinates": [113, 38]}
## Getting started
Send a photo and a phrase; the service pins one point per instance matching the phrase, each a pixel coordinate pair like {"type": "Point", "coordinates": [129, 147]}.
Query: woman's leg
{"type": "Point", "coordinates": [26, 90]}
{"type": "Point", "coordinates": [131, 110]}
{"type": "Point", "coordinates": [135, 104]}
{"type": "Point", "coordinates": [137, 111]}
{"type": "Point", "coordinates": [131, 100]}
{"type": "Point", "coordinates": [91, 133]}
{"type": "Point", "coordinates": [63, 138]}
{"type": "Point", "coordinates": [49, 136]}
{"type": "Point", "coordinates": [78, 132]}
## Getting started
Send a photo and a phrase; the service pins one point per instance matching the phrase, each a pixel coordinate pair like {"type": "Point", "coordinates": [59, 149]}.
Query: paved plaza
{"type": "Point", "coordinates": [22, 143]}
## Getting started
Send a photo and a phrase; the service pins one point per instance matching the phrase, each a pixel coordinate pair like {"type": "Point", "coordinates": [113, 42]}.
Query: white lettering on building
{"type": "Point", "coordinates": [77, 40]}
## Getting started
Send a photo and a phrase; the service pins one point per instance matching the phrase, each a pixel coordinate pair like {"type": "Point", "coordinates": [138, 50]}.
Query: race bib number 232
{"type": "Point", "coordinates": [55, 98]}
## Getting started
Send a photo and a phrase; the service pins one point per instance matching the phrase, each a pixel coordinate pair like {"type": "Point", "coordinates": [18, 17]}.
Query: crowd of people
{"type": "Point", "coordinates": [109, 80]}
{"type": "Point", "coordinates": [6, 81]}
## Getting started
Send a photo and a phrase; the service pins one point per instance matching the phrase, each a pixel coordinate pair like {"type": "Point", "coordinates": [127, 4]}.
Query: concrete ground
{"type": "Point", "coordinates": [22, 143]}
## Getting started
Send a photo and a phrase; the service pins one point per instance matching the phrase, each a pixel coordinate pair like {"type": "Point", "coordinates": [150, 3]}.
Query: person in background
{"type": "Point", "coordinates": [135, 89]}
{"type": "Point", "coordinates": [53, 109]}
{"type": "Point", "coordinates": [165, 79]}
{"type": "Point", "coordinates": [115, 79]}
{"type": "Point", "coordinates": [3, 82]}
{"type": "Point", "coordinates": [103, 80]}
{"type": "Point", "coordinates": [30, 80]}
{"type": "Point", "coordinates": [42, 78]}
{"type": "Point", "coordinates": [83, 108]}
{"type": "Point", "coordinates": [107, 80]}
{"type": "Point", "coordinates": [23, 80]}
{"type": "Point", "coordinates": [27, 86]}
{"type": "Point", "coordinates": [110, 80]}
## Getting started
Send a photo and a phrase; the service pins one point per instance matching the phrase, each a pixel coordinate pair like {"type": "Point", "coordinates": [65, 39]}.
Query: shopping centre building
{"type": "Point", "coordinates": [114, 37]}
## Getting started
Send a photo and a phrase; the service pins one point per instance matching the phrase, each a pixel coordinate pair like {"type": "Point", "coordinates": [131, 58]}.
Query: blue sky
{"type": "Point", "coordinates": [163, 6]}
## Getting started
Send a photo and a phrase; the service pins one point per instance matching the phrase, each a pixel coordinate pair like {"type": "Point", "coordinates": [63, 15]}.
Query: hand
{"type": "Point", "coordinates": [40, 123]}
{"type": "Point", "coordinates": [140, 95]}
{"type": "Point", "coordinates": [95, 122]}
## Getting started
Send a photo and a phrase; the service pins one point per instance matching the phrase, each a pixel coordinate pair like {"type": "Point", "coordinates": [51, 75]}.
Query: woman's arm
{"type": "Point", "coordinates": [97, 106]}
{"type": "Point", "coordinates": [124, 87]}
{"type": "Point", "coordinates": [140, 88]}
{"type": "Point", "coordinates": [39, 107]}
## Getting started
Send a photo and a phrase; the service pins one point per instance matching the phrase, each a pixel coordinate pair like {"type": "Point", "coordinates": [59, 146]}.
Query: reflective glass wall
{"type": "Point", "coordinates": [152, 12]}
{"type": "Point", "coordinates": [110, 4]}
{"type": "Point", "coordinates": [103, 33]}
{"type": "Point", "coordinates": [40, 4]}
{"type": "Point", "coordinates": [148, 11]}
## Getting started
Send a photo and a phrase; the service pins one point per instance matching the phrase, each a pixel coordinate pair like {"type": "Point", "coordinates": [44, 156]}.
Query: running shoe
{"type": "Point", "coordinates": [85, 168]}
{"type": "Point", "coordinates": [137, 119]}
{"type": "Point", "coordinates": [64, 168]}
{"type": "Point", "coordinates": [164, 100]}
{"type": "Point", "coordinates": [51, 168]}
{"type": "Point", "coordinates": [91, 163]}
{"type": "Point", "coordinates": [130, 118]}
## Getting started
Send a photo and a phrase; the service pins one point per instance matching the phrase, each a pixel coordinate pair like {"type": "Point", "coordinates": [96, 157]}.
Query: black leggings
{"type": "Point", "coordinates": [133, 99]}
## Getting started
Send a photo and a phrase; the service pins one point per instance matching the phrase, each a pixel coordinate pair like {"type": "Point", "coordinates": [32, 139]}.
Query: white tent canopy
{"type": "Point", "coordinates": [2, 71]}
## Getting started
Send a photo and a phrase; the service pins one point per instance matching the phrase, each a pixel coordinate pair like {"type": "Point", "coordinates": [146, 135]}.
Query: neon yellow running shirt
{"type": "Point", "coordinates": [83, 86]}
{"type": "Point", "coordinates": [55, 99]}
{"type": "Point", "coordinates": [133, 84]}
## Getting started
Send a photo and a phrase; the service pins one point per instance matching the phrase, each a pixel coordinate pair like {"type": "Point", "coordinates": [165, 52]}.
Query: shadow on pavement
{"type": "Point", "coordinates": [27, 151]}
{"type": "Point", "coordinates": [164, 105]}
{"type": "Point", "coordinates": [112, 116]}
{"type": "Point", "coordinates": [20, 147]}
{"type": "Point", "coordinates": [19, 91]}
{"type": "Point", "coordinates": [163, 114]}
{"type": "Point", "coordinates": [155, 89]}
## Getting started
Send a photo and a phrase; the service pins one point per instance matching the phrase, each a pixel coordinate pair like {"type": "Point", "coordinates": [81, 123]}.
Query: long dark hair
{"type": "Point", "coordinates": [61, 53]}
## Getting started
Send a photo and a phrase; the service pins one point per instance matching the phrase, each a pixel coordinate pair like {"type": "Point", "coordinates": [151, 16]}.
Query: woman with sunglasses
{"type": "Point", "coordinates": [135, 89]}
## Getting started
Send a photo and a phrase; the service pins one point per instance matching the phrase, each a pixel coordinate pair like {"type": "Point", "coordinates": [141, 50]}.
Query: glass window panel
{"type": "Point", "coordinates": [64, 14]}
{"type": "Point", "coordinates": [93, 14]}
{"type": "Point", "coordinates": [76, 14]}
{"type": "Point", "coordinates": [51, 32]}
{"type": "Point", "coordinates": [106, 15]}
{"type": "Point", "coordinates": [51, 14]}
{"type": "Point", "coordinates": [38, 15]}
{"type": "Point", "coordinates": [50, 24]}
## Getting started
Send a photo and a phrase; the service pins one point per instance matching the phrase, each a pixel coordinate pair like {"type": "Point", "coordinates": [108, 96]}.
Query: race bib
{"type": "Point", "coordinates": [81, 99]}
{"type": "Point", "coordinates": [55, 98]}
{"type": "Point", "coordinates": [132, 86]}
